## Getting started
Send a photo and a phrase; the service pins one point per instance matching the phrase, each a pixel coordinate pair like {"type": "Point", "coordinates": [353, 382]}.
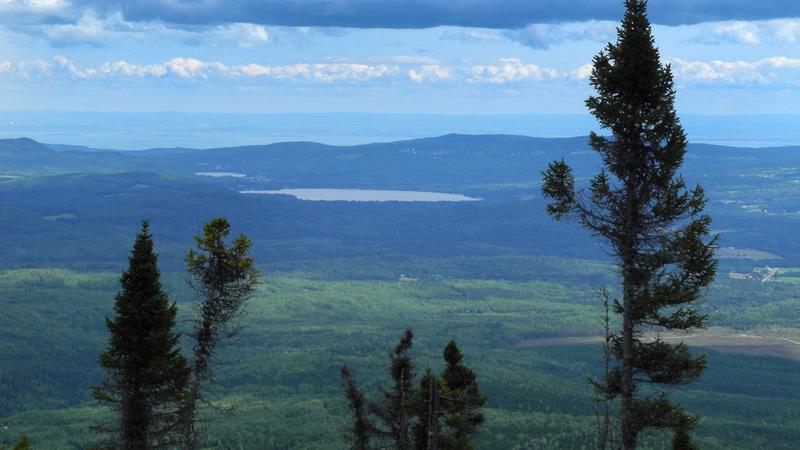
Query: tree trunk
{"type": "Point", "coordinates": [605, 427]}
{"type": "Point", "coordinates": [403, 443]}
{"type": "Point", "coordinates": [433, 413]}
{"type": "Point", "coordinates": [187, 419]}
{"type": "Point", "coordinates": [628, 427]}
{"type": "Point", "coordinates": [136, 418]}
{"type": "Point", "coordinates": [199, 371]}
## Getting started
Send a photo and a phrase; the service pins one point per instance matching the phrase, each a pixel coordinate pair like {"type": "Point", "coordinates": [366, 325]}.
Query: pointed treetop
{"type": "Point", "coordinates": [406, 341]}
{"type": "Point", "coordinates": [452, 354]}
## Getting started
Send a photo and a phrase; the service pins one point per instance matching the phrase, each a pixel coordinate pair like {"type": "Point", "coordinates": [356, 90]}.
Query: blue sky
{"type": "Point", "coordinates": [433, 56]}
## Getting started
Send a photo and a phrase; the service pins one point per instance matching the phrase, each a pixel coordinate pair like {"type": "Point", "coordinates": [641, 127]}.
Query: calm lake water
{"type": "Point", "coordinates": [220, 174]}
{"type": "Point", "coordinates": [364, 195]}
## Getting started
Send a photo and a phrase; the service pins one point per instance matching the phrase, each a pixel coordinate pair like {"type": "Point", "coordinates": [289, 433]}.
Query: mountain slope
{"type": "Point", "coordinates": [451, 162]}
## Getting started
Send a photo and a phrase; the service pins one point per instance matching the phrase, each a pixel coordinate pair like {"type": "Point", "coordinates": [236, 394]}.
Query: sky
{"type": "Point", "coordinates": [382, 56]}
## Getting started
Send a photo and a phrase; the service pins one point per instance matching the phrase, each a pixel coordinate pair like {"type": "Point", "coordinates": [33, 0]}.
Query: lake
{"type": "Point", "coordinates": [220, 174]}
{"type": "Point", "coordinates": [366, 195]}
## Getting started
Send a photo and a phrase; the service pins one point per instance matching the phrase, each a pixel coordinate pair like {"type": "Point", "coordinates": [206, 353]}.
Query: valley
{"type": "Point", "coordinates": [343, 278]}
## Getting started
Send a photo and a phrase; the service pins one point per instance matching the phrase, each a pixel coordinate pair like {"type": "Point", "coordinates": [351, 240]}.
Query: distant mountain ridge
{"type": "Point", "coordinates": [453, 162]}
{"type": "Point", "coordinates": [747, 188]}
{"type": "Point", "coordinates": [446, 139]}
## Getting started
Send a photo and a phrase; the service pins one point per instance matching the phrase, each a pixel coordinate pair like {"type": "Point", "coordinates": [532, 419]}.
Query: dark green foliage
{"type": "Point", "coordinates": [681, 439]}
{"type": "Point", "coordinates": [462, 402]}
{"type": "Point", "coordinates": [655, 227]}
{"type": "Point", "coordinates": [443, 413]}
{"type": "Point", "coordinates": [21, 444]}
{"type": "Point", "coordinates": [427, 407]}
{"type": "Point", "coordinates": [224, 277]}
{"type": "Point", "coordinates": [394, 410]}
{"type": "Point", "coordinates": [448, 407]}
{"type": "Point", "coordinates": [146, 374]}
{"type": "Point", "coordinates": [362, 430]}
{"type": "Point", "coordinates": [538, 396]}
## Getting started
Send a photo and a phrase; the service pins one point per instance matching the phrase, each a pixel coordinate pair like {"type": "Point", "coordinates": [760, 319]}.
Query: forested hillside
{"type": "Point", "coordinates": [343, 279]}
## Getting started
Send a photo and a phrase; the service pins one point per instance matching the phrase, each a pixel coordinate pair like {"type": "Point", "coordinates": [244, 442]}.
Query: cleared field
{"type": "Point", "coordinates": [783, 343]}
{"type": "Point", "coordinates": [745, 253]}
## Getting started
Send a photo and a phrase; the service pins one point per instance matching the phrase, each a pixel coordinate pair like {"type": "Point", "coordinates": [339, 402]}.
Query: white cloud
{"type": "Point", "coordinates": [192, 68]}
{"type": "Point", "coordinates": [538, 36]}
{"type": "Point", "coordinates": [505, 71]}
{"type": "Point", "coordinates": [131, 70]}
{"type": "Point", "coordinates": [786, 30]}
{"type": "Point", "coordinates": [33, 6]}
{"type": "Point", "coordinates": [509, 70]}
{"type": "Point", "coordinates": [740, 32]}
{"type": "Point", "coordinates": [73, 70]}
{"type": "Point", "coordinates": [430, 72]}
{"type": "Point", "coordinates": [471, 35]}
{"type": "Point", "coordinates": [255, 70]}
{"type": "Point", "coordinates": [583, 72]}
{"type": "Point", "coordinates": [90, 29]}
{"type": "Point", "coordinates": [769, 32]}
{"type": "Point", "coordinates": [24, 69]}
{"type": "Point", "coordinates": [543, 36]}
{"type": "Point", "coordinates": [94, 29]}
{"type": "Point", "coordinates": [774, 71]}
{"type": "Point", "coordinates": [243, 34]}
{"type": "Point", "coordinates": [778, 70]}
{"type": "Point", "coordinates": [351, 72]}
{"type": "Point", "coordinates": [323, 72]}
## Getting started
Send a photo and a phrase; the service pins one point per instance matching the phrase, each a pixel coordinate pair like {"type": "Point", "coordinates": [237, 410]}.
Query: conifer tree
{"type": "Point", "coordinates": [361, 430]}
{"type": "Point", "coordinates": [395, 412]}
{"type": "Point", "coordinates": [462, 402]}
{"type": "Point", "coordinates": [224, 278]}
{"type": "Point", "coordinates": [681, 439]}
{"type": "Point", "coordinates": [146, 374]}
{"type": "Point", "coordinates": [427, 407]}
{"type": "Point", "coordinates": [442, 414]}
{"type": "Point", "coordinates": [639, 205]}
{"type": "Point", "coordinates": [21, 444]}
{"type": "Point", "coordinates": [447, 408]}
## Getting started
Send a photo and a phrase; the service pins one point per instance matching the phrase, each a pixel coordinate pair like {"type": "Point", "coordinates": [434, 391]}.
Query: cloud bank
{"type": "Point", "coordinates": [778, 31]}
{"type": "Point", "coordinates": [778, 71]}
{"type": "Point", "coordinates": [774, 71]}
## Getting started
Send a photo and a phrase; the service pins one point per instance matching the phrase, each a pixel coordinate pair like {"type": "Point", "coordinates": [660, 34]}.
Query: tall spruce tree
{"type": "Point", "coordinates": [146, 374]}
{"type": "Point", "coordinates": [447, 408]}
{"type": "Point", "coordinates": [462, 402]}
{"type": "Point", "coordinates": [224, 278]}
{"type": "Point", "coordinates": [640, 206]}
{"type": "Point", "coordinates": [395, 410]}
